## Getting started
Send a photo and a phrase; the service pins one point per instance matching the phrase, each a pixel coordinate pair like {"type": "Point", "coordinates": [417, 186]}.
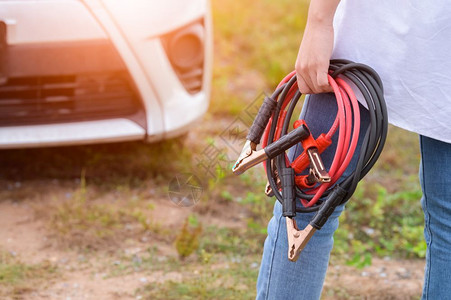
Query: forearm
{"type": "Point", "coordinates": [322, 11]}
{"type": "Point", "coordinates": [316, 48]}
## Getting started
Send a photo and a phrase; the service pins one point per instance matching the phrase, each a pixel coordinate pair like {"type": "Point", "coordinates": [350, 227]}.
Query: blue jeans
{"type": "Point", "coordinates": [280, 278]}
{"type": "Point", "coordinates": [435, 179]}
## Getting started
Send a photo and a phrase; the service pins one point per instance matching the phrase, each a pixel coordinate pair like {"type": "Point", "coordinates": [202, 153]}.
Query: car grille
{"type": "Point", "coordinates": [68, 98]}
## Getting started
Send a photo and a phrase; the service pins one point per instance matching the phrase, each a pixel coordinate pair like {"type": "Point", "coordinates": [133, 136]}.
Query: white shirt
{"type": "Point", "coordinates": [408, 42]}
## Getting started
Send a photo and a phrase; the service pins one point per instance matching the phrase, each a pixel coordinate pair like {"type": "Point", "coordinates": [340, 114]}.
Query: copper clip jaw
{"type": "Point", "coordinates": [317, 166]}
{"type": "Point", "coordinates": [248, 158]}
{"type": "Point", "coordinates": [297, 239]}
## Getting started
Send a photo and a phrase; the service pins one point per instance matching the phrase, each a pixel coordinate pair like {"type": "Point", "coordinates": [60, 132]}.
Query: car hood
{"type": "Point", "coordinates": [152, 18]}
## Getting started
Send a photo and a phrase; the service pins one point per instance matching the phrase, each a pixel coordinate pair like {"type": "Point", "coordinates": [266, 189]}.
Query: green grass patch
{"type": "Point", "coordinates": [80, 222]}
{"type": "Point", "coordinates": [380, 223]}
{"type": "Point", "coordinates": [151, 260]}
{"type": "Point", "coordinates": [230, 242]}
{"type": "Point", "coordinates": [225, 281]}
{"type": "Point", "coordinates": [18, 278]}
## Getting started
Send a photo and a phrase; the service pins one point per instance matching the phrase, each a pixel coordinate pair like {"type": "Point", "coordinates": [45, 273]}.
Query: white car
{"type": "Point", "coordinates": [94, 71]}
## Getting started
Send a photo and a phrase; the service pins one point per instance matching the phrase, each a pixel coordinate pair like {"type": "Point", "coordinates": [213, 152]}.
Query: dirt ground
{"type": "Point", "coordinates": [83, 276]}
{"type": "Point", "coordinates": [30, 190]}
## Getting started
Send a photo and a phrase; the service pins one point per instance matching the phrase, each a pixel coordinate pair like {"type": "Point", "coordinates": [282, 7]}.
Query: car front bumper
{"type": "Point", "coordinates": [163, 107]}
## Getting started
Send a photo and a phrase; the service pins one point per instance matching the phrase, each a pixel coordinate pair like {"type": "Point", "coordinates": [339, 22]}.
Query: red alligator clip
{"type": "Point", "coordinates": [310, 156]}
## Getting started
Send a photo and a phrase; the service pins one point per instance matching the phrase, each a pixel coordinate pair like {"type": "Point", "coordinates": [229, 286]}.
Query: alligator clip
{"type": "Point", "coordinates": [312, 148]}
{"type": "Point", "coordinates": [316, 166]}
{"type": "Point", "coordinates": [249, 157]}
{"type": "Point", "coordinates": [254, 136]}
{"type": "Point", "coordinates": [297, 239]}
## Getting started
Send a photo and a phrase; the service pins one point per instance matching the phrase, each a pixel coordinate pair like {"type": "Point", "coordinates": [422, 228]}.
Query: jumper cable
{"type": "Point", "coordinates": [319, 188]}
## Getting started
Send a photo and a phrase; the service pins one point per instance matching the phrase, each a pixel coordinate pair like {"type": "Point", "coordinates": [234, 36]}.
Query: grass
{"type": "Point", "coordinates": [18, 278]}
{"type": "Point", "coordinates": [384, 217]}
{"type": "Point", "coordinates": [106, 165]}
{"type": "Point", "coordinates": [223, 281]}
{"type": "Point", "coordinates": [148, 261]}
{"type": "Point", "coordinates": [379, 223]}
{"type": "Point", "coordinates": [82, 223]}
{"type": "Point", "coordinates": [187, 240]}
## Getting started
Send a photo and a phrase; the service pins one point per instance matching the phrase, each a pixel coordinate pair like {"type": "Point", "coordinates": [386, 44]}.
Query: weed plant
{"type": "Point", "coordinates": [187, 240]}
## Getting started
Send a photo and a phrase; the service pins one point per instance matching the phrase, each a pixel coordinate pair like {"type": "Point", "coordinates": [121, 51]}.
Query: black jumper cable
{"type": "Point", "coordinates": [319, 190]}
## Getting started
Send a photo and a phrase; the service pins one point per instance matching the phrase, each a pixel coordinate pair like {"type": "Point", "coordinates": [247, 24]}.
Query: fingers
{"type": "Point", "coordinates": [312, 79]}
{"type": "Point", "coordinates": [305, 84]}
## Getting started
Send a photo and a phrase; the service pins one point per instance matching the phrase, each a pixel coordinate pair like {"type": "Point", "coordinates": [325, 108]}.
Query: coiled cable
{"type": "Point", "coordinates": [347, 123]}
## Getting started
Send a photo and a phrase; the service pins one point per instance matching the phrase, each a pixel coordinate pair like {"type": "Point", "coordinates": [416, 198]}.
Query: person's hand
{"type": "Point", "coordinates": [312, 63]}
